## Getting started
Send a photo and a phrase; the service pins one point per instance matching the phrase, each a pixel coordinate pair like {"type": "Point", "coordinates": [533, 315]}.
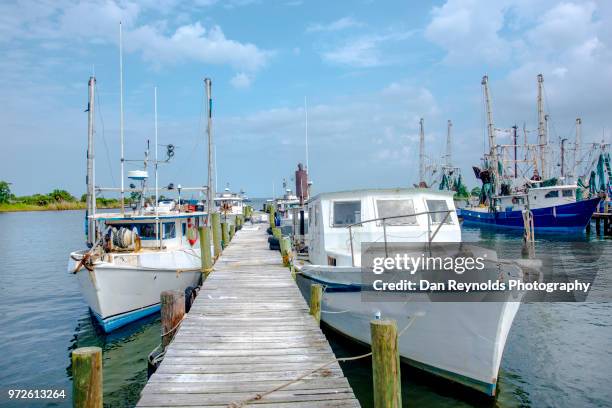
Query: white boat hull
{"type": "Point", "coordinates": [460, 341]}
{"type": "Point", "coordinates": [118, 294]}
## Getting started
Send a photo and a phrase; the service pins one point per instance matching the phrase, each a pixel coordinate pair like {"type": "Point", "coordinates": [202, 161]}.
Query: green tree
{"type": "Point", "coordinates": [84, 198]}
{"type": "Point", "coordinates": [475, 192]}
{"type": "Point", "coordinates": [5, 192]}
{"type": "Point", "coordinates": [61, 195]}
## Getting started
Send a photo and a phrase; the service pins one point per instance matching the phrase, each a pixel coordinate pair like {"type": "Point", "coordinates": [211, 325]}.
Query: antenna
{"type": "Point", "coordinates": [449, 158]}
{"type": "Point", "coordinates": [121, 118]}
{"type": "Point", "coordinates": [421, 152]}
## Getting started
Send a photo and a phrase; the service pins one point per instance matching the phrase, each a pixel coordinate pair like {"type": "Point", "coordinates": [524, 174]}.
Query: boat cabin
{"type": "Point", "coordinates": [339, 222]}
{"type": "Point", "coordinates": [229, 203]}
{"type": "Point", "coordinates": [168, 231]}
{"type": "Point", "coordinates": [538, 197]}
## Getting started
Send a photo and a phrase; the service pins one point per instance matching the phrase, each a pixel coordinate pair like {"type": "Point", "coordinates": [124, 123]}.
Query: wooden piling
{"type": "Point", "coordinates": [172, 312]}
{"type": "Point", "coordinates": [271, 216]}
{"type": "Point", "coordinates": [232, 231]}
{"type": "Point", "coordinates": [87, 377]}
{"type": "Point", "coordinates": [316, 293]}
{"type": "Point", "coordinates": [224, 235]}
{"type": "Point", "coordinates": [216, 233]}
{"type": "Point", "coordinates": [205, 255]}
{"type": "Point", "coordinates": [385, 364]}
{"type": "Point", "coordinates": [276, 233]}
{"type": "Point", "coordinates": [285, 246]}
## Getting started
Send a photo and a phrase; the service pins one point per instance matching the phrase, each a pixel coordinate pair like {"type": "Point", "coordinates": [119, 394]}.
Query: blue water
{"type": "Point", "coordinates": [558, 354]}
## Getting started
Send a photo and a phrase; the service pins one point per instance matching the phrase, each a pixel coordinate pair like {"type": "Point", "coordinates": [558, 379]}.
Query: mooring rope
{"type": "Point", "coordinates": [259, 396]}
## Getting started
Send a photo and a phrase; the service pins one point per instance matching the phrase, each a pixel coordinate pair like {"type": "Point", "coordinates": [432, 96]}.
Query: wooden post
{"type": "Point", "coordinates": [205, 255]}
{"type": "Point", "coordinates": [285, 246]}
{"type": "Point", "coordinates": [385, 364]}
{"type": "Point", "coordinates": [316, 293]}
{"type": "Point", "coordinates": [224, 235]}
{"type": "Point", "coordinates": [87, 377]}
{"type": "Point", "coordinates": [276, 233]}
{"type": "Point", "coordinates": [172, 312]}
{"type": "Point", "coordinates": [216, 233]}
{"type": "Point", "coordinates": [232, 231]}
{"type": "Point", "coordinates": [271, 216]}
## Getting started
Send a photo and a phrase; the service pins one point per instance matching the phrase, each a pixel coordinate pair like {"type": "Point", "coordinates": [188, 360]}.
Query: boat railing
{"type": "Point", "coordinates": [430, 236]}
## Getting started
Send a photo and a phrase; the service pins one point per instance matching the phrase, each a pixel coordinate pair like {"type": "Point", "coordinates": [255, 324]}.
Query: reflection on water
{"type": "Point", "coordinates": [557, 354]}
{"type": "Point", "coordinates": [124, 356]}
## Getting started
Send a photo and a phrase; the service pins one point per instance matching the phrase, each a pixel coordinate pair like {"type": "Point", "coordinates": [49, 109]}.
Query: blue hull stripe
{"type": "Point", "coordinates": [113, 323]}
{"type": "Point", "coordinates": [567, 217]}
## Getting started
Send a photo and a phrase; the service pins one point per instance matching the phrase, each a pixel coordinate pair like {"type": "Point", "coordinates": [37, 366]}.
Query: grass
{"type": "Point", "coordinates": [59, 206]}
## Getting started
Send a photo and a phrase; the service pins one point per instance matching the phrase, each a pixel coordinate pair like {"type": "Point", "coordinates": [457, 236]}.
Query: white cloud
{"type": "Point", "coordinates": [241, 80]}
{"type": "Point", "coordinates": [337, 25]}
{"type": "Point", "coordinates": [193, 42]}
{"type": "Point", "coordinates": [365, 51]}
{"type": "Point", "coordinates": [469, 31]}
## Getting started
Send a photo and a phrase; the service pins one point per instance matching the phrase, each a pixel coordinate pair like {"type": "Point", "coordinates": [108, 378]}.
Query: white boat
{"type": "Point", "coordinates": [134, 255]}
{"type": "Point", "coordinates": [122, 278]}
{"type": "Point", "coordinates": [230, 204]}
{"type": "Point", "coordinates": [461, 341]}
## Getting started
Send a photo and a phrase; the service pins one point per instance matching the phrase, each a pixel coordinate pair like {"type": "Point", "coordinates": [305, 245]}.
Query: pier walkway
{"type": "Point", "coordinates": [248, 332]}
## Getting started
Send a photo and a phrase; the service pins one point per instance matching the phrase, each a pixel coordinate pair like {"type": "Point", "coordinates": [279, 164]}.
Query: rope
{"type": "Point", "coordinates": [175, 327]}
{"type": "Point", "coordinates": [259, 396]}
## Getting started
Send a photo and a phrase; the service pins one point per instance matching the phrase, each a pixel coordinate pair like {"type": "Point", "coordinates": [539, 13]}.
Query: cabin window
{"type": "Point", "coordinates": [346, 212]}
{"type": "Point", "coordinates": [438, 217]}
{"type": "Point", "coordinates": [568, 193]}
{"type": "Point", "coordinates": [169, 230]}
{"type": "Point", "coordinates": [393, 208]}
{"type": "Point", "coordinates": [552, 194]}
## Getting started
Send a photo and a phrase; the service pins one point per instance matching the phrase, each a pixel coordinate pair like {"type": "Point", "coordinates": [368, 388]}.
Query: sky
{"type": "Point", "coordinates": [367, 71]}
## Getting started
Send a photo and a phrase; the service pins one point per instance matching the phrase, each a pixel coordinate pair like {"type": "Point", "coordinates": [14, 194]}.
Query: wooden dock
{"type": "Point", "coordinates": [248, 332]}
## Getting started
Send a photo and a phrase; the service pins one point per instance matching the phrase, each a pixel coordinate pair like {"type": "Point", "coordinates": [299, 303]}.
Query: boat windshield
{"type": "Point", "coordinates": [393, 208]}
{"type": "Point", "coordinates": [346, 212]}
{"type": "Point", "coordinates": [438, 217]}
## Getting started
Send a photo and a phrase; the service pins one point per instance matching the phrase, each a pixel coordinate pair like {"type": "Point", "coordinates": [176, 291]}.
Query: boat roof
{"type": "Point", "coordinates": [381, 191]}
{"type": "Point", "coordinates": [145, 217]}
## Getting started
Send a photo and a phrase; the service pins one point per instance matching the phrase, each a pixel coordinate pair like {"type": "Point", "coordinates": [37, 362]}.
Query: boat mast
{"type": "Point", "coordinates": [490, 130]}
{"type": "Point", "coordinates": [157, 229]}
{"type": "Point", "coordinates": [577, 147]}
{"type": "Point", "coordinates": [448, 144]}
{"type": "Point", "coordinates": [210, 191]}
{"type": "Point", "coordinates": [91, 193]}
{"type": "Point", "coordinates": [542, 131]}
{"type": "Point", "coordinates": [306, 131]}
{"type": "Point", "coordinates": [121, 118]}
{"type": "Point", "coordinates": [421, 153]}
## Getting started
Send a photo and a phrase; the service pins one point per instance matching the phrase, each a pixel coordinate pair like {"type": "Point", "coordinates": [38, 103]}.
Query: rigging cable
{"type": "Point", "coordinates": [104, 137]}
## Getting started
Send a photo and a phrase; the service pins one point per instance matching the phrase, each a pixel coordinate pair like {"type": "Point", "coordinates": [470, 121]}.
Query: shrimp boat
{"type": "Point", "coordinates": [460, 341]}
{"type": "Point", "coordinates": [135, 254]}
{"type": "Point", "coordinates": [508, 199]}
{"type": "Point", "coordinates": [138, 256]}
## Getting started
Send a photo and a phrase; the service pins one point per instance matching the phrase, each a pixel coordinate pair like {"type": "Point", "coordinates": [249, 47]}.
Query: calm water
{"type": "Point", "coordinates": [557, 354]}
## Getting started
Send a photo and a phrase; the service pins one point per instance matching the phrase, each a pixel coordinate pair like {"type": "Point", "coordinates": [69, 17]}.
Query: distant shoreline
{"type": "Point", "coordinates": [61, 206]}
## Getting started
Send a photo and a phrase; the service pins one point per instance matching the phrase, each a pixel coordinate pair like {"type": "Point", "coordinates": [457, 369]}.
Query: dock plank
{"type": "Point", "coordinates": [248, 332]}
